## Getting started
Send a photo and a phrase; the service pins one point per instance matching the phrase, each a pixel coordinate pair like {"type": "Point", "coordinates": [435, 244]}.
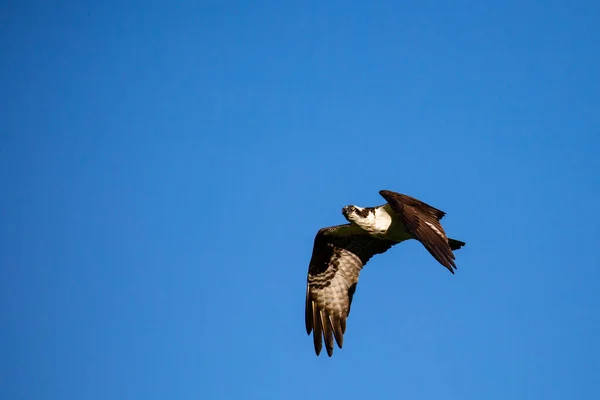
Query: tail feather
{"type": "Point", "coordinates": [455, 244]}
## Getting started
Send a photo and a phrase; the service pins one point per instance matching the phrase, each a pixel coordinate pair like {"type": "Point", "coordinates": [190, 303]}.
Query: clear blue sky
{"type": "Point", "coordinates": [166, 165]}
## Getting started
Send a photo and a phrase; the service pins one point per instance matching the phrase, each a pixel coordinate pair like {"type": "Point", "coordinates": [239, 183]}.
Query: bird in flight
{"type": "Point", "coordinates": [340, 252]}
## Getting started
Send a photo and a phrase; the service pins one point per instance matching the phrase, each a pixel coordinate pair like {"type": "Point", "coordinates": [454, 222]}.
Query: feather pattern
{"type": "Point", "coordinates": [339, 254]}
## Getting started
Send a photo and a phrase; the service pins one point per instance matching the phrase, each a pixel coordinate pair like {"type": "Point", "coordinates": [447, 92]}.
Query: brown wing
{"type": "Point", "coordinates": [339, 253]}
{"type": "Point", "coordinates": [423, 222]}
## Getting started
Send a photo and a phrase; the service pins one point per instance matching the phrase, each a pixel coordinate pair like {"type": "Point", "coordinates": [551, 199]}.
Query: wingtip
{"type": "Point", "coordinates": [451, 267]}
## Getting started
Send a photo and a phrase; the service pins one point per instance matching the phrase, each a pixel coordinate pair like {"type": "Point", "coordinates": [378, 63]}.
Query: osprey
{"type": "Point", "coordinates": [340, 252]}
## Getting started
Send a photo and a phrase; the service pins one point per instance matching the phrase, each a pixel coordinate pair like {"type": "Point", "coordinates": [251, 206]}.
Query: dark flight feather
{"type": "Point", "coordinates": [423, 223]}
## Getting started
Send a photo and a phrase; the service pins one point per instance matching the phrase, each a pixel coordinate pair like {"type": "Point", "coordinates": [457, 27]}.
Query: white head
{"type": "Point", "coordinates": [375, 220]}
{"type": "Point", "coordinates": [356, 214]}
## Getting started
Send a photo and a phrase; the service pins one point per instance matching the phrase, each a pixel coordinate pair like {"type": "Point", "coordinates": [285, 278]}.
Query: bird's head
{"type": "Point", "coordinates": [352, 213]}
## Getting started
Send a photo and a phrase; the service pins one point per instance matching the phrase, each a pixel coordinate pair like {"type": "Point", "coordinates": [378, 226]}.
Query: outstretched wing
{"type": "Point", "coordinates": [423, 222]}
{"type": "Point", "coordinates": [339, 253]}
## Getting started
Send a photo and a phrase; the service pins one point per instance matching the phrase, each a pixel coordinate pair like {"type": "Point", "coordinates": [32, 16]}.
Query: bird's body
{"type": "Point", "coordinates": [340, 252]}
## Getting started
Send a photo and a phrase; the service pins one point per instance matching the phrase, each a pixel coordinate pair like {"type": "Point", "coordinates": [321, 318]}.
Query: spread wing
{"type": "Point", "coordinates": [423, 222]}
{"type": "Point", "coordinates": [339, 253]}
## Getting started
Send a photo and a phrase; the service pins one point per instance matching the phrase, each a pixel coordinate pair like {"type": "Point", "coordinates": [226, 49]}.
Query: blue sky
{"type": "Point", "coordinates": [164, 169]}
